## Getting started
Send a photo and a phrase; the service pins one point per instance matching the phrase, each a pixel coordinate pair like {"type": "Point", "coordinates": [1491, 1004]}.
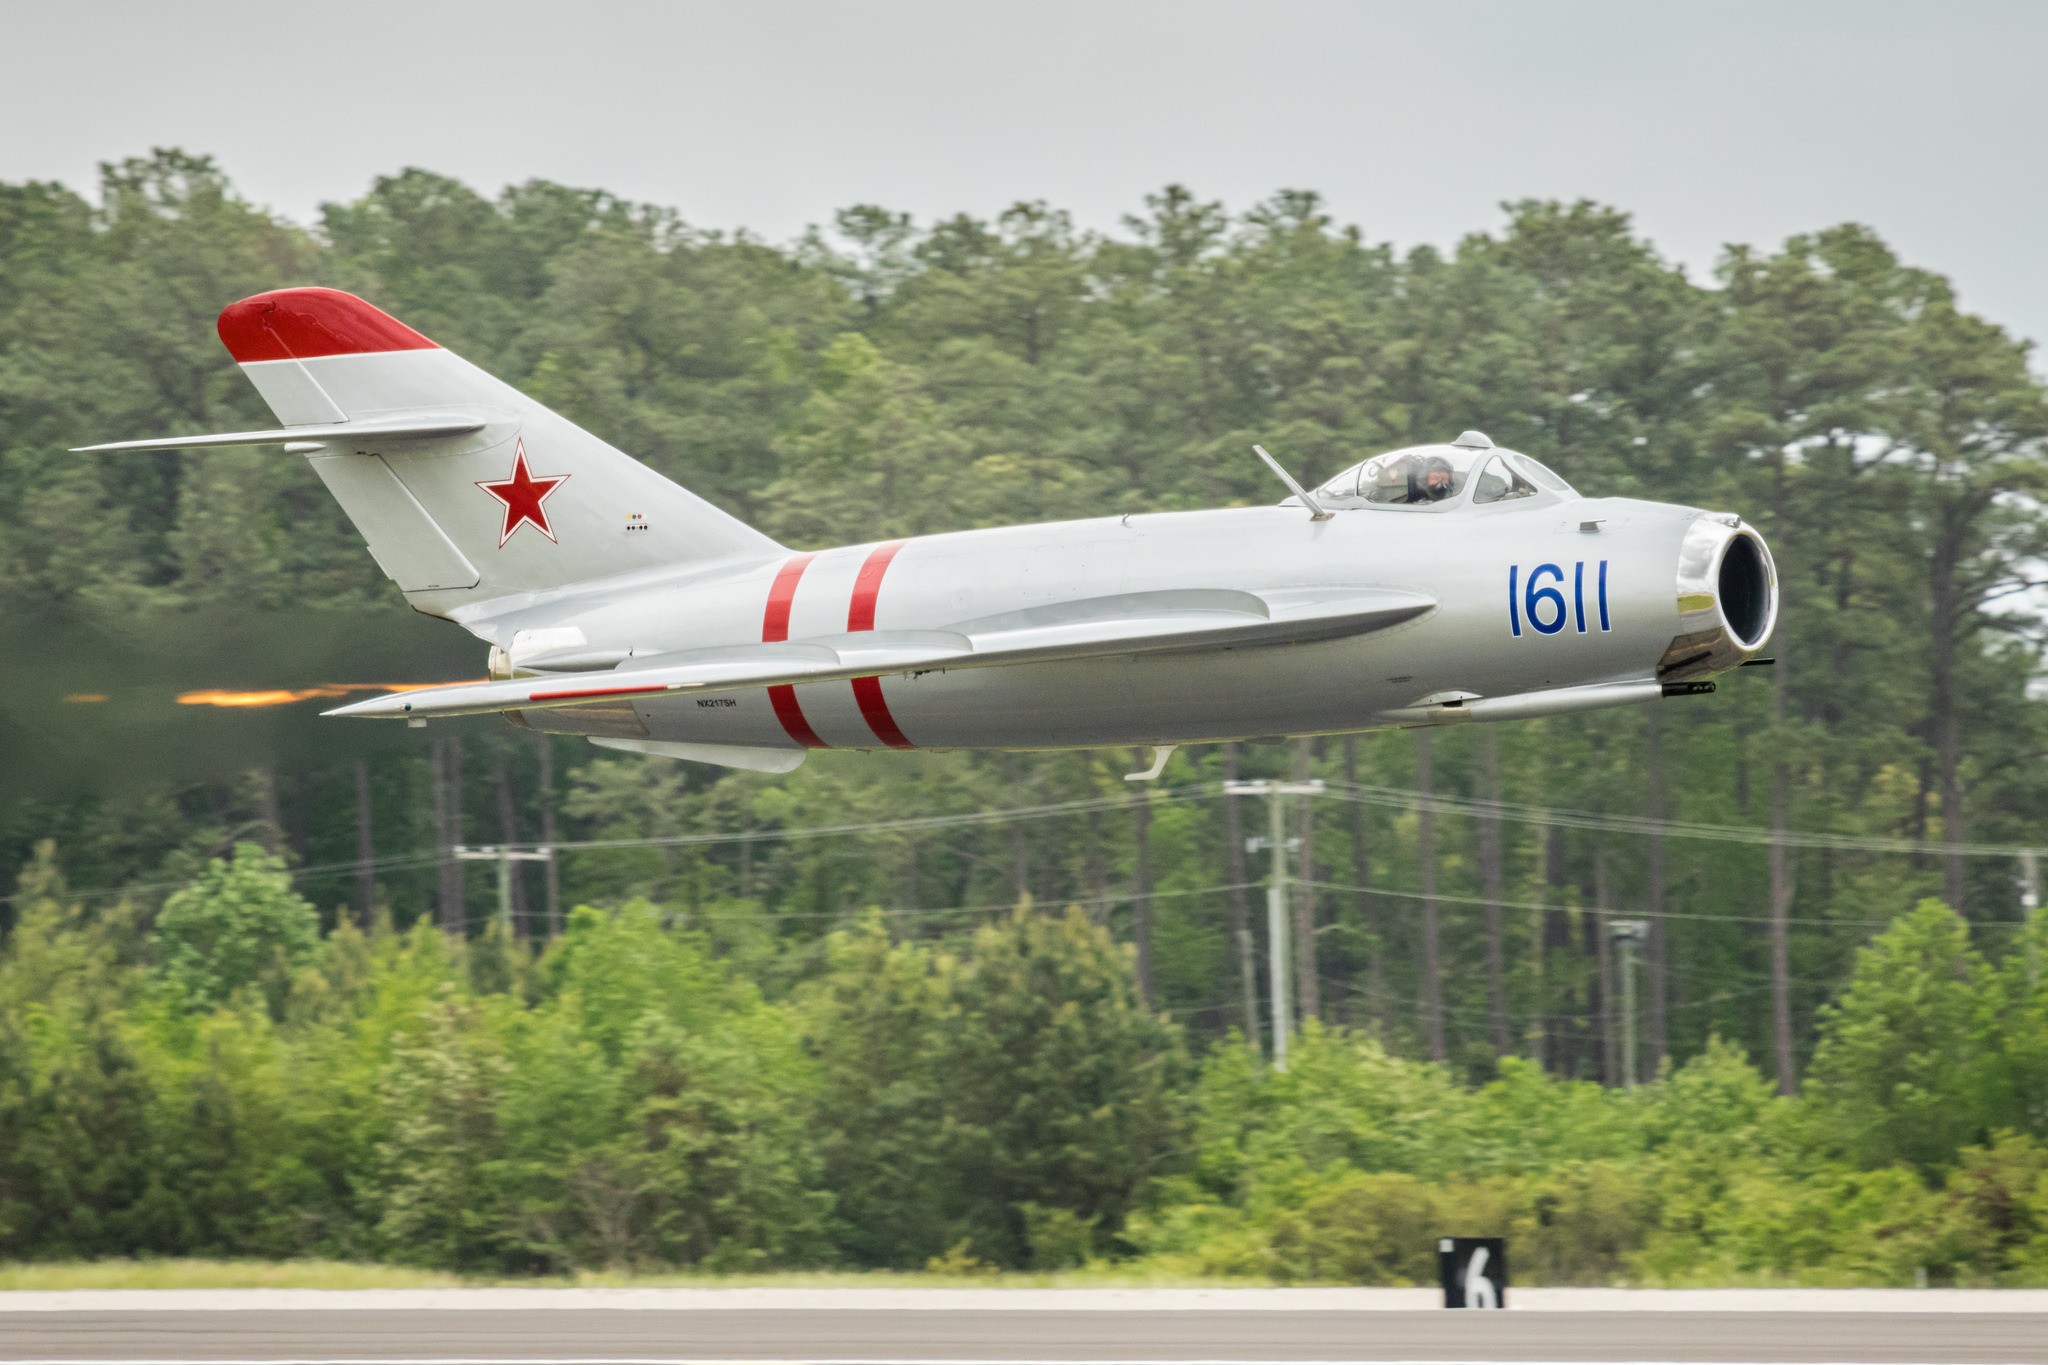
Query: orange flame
{"type": "Point", "coordinates": [215, 696]}
{"type": "Point", "coordinates": [86, 697]}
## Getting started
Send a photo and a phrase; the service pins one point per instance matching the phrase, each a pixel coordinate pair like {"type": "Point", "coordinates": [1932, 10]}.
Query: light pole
{"type": "Point", "coordinates": [504, 857]}
{"type": "Point", "coordinates": [1627, 933]}
{"type": "Point", "coordinates": [1276, 897]}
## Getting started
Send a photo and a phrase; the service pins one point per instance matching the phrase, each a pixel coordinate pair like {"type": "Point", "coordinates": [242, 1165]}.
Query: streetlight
{"type": "Point", "coordinates": [1276, 896]}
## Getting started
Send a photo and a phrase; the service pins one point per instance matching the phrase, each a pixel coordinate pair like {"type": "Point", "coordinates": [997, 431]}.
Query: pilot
{"type": "Point", "coordinates": [1427, 479]}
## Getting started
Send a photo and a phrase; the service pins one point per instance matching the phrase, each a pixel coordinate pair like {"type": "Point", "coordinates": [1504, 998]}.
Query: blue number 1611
{"type": "Point", "coordinates": [1540, 598]}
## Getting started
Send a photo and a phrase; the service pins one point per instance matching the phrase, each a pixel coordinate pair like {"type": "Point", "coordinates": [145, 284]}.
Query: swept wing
{"type": "Point", "coordinates": [1083, 628]}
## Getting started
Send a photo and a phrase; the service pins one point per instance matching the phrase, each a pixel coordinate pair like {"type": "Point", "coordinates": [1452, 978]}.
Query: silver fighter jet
{"type": "Point", "coordinates": [1427, 586]}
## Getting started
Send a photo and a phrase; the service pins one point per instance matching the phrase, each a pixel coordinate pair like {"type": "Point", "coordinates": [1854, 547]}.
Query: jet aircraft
{"type": "Point", "coordinates": [1433, 585]}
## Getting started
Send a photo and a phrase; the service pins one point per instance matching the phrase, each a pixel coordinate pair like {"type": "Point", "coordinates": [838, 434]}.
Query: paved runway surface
{"type": "Point", "coordinates": [590, 1335]}
{"type": "Point", "coordinates": [982, 1328]}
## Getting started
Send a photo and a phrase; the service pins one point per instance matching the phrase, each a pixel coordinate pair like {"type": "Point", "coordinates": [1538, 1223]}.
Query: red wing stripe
{"type": "Point", "coordinates": [563, 693]}
{"type": "Point", "coordinates": [860, 615]}
{"type": "Point", "coordinates": [774, 629]}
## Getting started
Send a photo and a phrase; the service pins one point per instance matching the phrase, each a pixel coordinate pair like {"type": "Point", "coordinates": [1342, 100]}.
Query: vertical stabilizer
{"type": "Point", "coordinates": [523, 502]}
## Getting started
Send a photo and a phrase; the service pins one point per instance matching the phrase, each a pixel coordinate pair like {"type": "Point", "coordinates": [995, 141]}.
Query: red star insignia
{"type": "Point", "coordinates": [523, 496]}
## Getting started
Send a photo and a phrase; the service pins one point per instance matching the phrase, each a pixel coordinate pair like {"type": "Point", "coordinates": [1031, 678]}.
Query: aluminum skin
{"type": "Point", "coordinates": [619, 606]}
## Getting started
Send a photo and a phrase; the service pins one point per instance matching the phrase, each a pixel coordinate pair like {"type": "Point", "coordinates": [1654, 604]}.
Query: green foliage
{"type": "Point", "coordinates": [872, 1020]}
{"type": "Point", "coordinates": [437, 1177]}
{"type": "Point", "coordinates": [847, 1050]}
{"type": "Point", "coordinates": [1993, 1226]}
{"type": "Point", "coordinates": [628, 1102]}
{"type": "Point", "coordinates": [1017, 1097]}
{"type": "Point", "coordinates": [1363, 1228]}
{"type": "Point", "coordinates": [239, 925]}
{"type": "Point", "coordinates": [1899, 1074]}
{"type": "Point", "coordinates": [632, 1101]}
{"type": "Point", "coordinates": [1061, 1089]}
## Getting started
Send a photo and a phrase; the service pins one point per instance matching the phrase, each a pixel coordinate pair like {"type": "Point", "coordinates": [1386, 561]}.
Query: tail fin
{"type": "Point", "coordinates": [466, 490]}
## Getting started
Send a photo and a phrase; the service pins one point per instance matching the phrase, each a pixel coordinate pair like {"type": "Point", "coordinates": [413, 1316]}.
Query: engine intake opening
{"type": "Point", "coordinates": [1744, 589]}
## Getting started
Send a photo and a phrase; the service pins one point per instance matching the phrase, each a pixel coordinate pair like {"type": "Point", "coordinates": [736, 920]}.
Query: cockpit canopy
{"type": "Point", "coordinates": [1438, 475]}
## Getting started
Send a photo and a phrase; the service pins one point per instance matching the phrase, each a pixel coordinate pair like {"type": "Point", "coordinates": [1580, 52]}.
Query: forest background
{"type": "Point", "coordinates": [1004, 1010]}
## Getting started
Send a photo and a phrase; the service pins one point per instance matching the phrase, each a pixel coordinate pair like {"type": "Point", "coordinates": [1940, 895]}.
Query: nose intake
{"type": "Point", "coordinates": [1748, 596]}
{"type": "Point", "coordinates": [1727, 598]}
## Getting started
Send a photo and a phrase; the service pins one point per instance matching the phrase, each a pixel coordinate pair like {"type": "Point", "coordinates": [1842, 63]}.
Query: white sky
{"type": "Point", "coordinates": [1711, 122]}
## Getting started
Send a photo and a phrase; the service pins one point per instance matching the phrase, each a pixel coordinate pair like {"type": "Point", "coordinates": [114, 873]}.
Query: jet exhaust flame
{"type": "Point", "coordinates": [277, 696]}
{"type": "Point", "coordinates": [214, 696]}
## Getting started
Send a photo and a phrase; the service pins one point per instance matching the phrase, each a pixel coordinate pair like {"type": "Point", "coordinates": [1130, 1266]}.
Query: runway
{"type": "Point", "coordinates": [1009, 1327]}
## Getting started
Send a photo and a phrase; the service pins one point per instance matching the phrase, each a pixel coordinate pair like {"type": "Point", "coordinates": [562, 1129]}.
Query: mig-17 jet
{"type": "Point", "coordinates": [1433, 585]}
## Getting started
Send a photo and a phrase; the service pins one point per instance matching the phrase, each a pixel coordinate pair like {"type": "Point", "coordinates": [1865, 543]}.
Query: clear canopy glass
{"type": "Point", "coordinates": [1417, 477]}
{"type": "Point", "coordinates": [1425, 476]}
{"type": "Point", "coordinates": [1541, 472]}
{"type": "Point", "coordinates": [1500, 481]}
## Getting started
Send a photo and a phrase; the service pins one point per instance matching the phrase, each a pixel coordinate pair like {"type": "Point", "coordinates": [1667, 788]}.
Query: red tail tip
{"type": "Point", "coordinates": [302, 324]}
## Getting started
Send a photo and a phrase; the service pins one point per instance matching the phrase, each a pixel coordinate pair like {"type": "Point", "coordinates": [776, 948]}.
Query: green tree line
{"type": "Point", "coordinates": [647, 1092]}
{"type": "Point", "coordinates": [885, 377]}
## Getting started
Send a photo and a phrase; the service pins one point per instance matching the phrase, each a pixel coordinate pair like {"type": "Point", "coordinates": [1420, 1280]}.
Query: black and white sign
{"type": "Point", "coordinates": [1474, 1271]}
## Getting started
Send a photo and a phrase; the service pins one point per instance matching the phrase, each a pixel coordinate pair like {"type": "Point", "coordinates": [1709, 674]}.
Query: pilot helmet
{"type": "Point", "coordinates": [1432, 488]}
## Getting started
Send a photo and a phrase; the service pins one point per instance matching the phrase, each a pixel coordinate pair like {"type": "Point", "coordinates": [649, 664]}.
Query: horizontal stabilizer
{"type": "Point", "coordinates": [414, 427]}
{"type": "Point", "coordinates": [1086, 628]}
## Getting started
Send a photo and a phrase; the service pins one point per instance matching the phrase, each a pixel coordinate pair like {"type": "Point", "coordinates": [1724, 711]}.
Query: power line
{"type": "Point", "coordinates": [1401, 799]}
{"type": "Point", "coordinates": [1196, 792]}
{"type": "Point", "coordinates": [1618, 911]}
{"type": "Point", "coordinates": [923, 912]}
{"type": "Point", "coordinates": [428, 858]}
{"type": "Point", "coordinates": [1388, 797]}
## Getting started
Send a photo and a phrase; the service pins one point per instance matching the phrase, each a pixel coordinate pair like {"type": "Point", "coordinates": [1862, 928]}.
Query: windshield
{"type": "Point", "coordinates": [1501, 481]}
{"type": "Point", "coordinates": [1540, 472]}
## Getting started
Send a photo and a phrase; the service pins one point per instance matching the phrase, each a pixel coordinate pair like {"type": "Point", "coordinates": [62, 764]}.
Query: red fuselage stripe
{"type": "Point", "coordinates": [791, 714]}
{"type": "Point", "coordinates": [874, 708]}
{"type": "Point", "coordinates": [775, 625]}
{"type": "Point", "coordinates": [564, 692]}
{"type": "Point", "coordinates": [775, 629]}
{"type": "Point", "coordinates": [860, 615]}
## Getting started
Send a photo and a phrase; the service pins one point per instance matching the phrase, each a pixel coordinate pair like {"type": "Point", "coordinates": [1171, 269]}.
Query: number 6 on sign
{"type": "Point", "coordinates": [1474, 1271]}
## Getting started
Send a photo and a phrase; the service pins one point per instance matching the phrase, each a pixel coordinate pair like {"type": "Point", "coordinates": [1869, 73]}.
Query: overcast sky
{"type": "Point", "coordinates": [1711, 123]}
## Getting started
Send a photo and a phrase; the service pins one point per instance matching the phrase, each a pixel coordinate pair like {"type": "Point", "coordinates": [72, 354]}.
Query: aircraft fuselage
{"type": "Point", "coordinates": [1594, 600]}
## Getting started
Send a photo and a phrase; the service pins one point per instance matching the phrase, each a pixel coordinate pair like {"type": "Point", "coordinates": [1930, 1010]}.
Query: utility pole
{"type": "Point", "coordinates": [1277, 843]}
{"type": "Point", "coordinates": [504, 857]}
{"type": "Point", "coordinates": [1627, 935]}
{"type": "Point", "coordinates": [2030, 901]}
